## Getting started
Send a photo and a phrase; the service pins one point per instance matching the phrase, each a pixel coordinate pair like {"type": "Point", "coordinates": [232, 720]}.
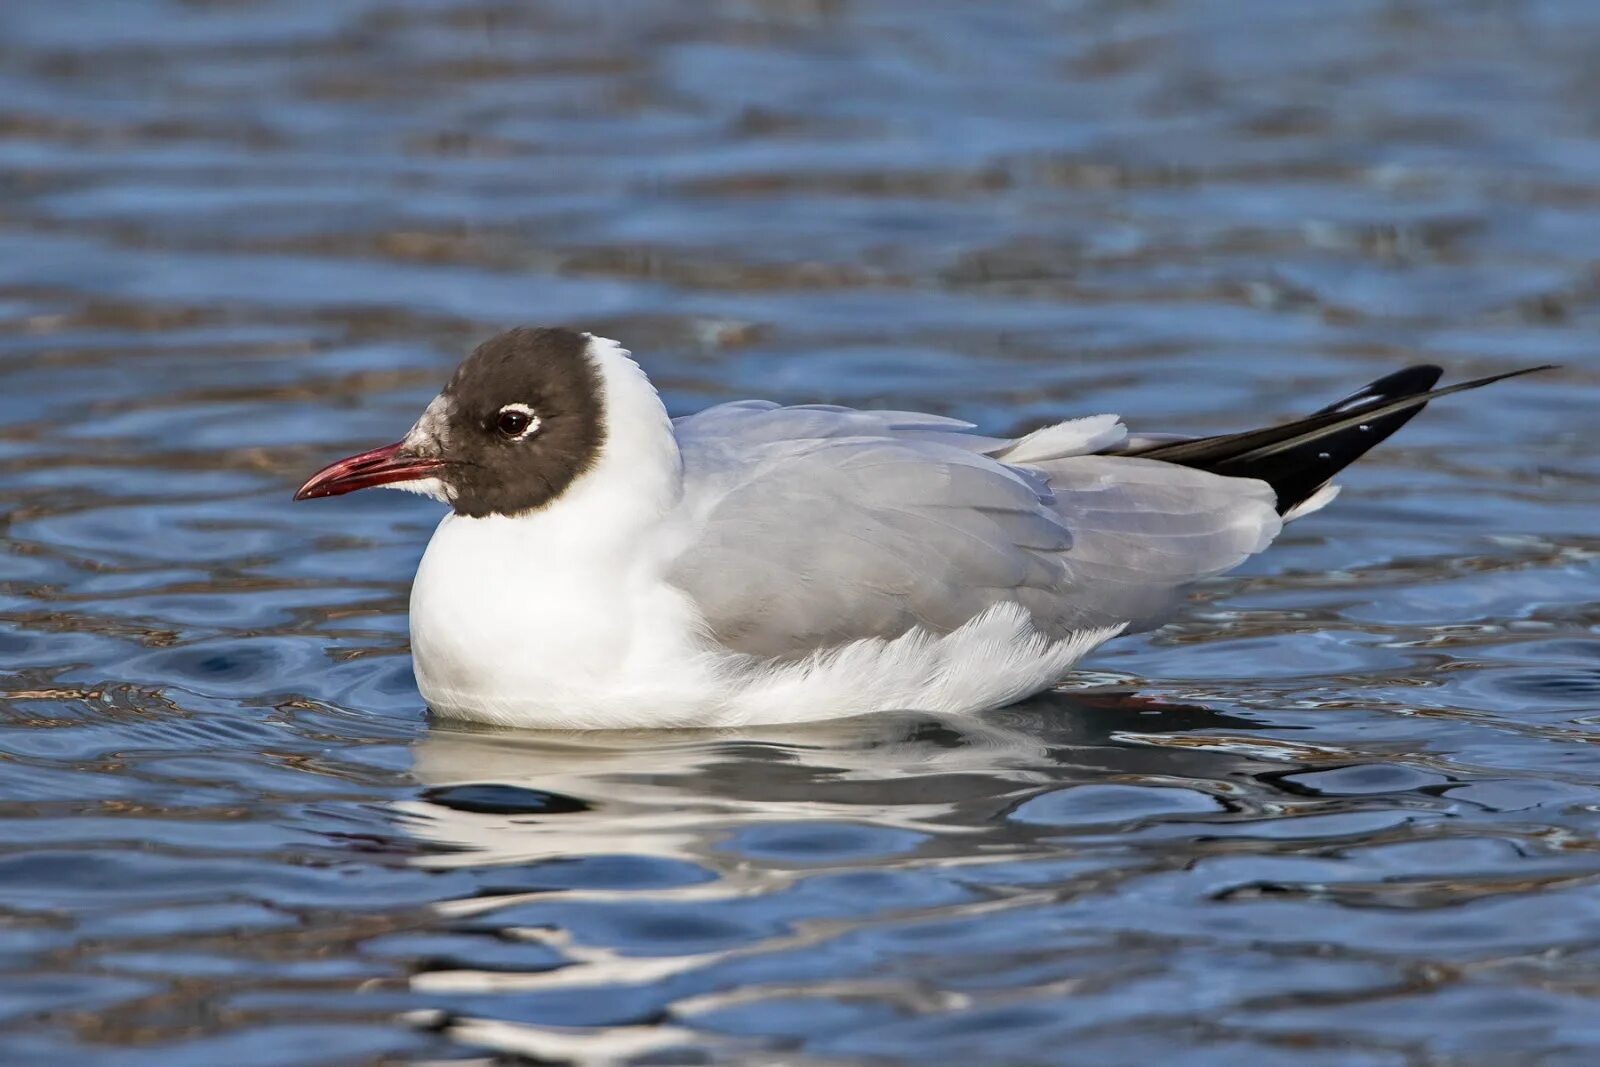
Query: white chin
{"type": "Point", "coordinates": [422, 487]}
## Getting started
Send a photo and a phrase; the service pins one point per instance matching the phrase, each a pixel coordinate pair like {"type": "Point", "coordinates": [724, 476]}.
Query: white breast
{"type": "Point", "coordinates": [516, 621]}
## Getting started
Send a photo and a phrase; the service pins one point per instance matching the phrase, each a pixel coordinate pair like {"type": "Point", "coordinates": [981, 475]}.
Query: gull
{"type": "Point", "coordinates": [604, 566]}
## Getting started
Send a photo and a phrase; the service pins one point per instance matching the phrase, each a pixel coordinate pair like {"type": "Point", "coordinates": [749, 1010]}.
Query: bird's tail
{"type": "Point", "coordinates": [1298, 458]}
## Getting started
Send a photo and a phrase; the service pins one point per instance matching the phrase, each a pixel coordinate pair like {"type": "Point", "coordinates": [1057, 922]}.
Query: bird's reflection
{"type": "Point", "coordinates": [508, 796]}
{"type": "Point", "coordinates": [497, 806]}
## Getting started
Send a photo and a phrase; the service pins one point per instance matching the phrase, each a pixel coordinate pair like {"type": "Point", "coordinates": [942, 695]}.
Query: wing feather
{"type": "Point", "coordinates": [814, 526]}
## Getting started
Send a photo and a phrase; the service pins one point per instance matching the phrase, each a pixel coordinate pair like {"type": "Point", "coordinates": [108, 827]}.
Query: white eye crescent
{"type": "Point", "coordinates": [516, 421]}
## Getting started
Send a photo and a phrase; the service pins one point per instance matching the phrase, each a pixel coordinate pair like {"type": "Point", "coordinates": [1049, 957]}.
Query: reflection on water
{"type": "Point", "coordinates": [522, 796]}
{"type": "Point", "coordinates": [708, 873]}
{"type": "Point", "coordinates": [1345, 811]}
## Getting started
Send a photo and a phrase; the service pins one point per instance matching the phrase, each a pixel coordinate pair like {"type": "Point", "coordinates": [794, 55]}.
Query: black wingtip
{"type": "Point", "coordinates": [1299, 457]}
{"type": "Point", "coordinates": [1417, 378]}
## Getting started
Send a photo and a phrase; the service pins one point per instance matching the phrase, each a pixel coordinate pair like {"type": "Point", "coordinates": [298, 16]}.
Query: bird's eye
{"type": "Point", "coordinates": [515, 420]}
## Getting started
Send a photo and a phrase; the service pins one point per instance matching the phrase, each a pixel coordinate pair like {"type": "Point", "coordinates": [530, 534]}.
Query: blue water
{"type": "Point", "coordinates": [1345, 811]}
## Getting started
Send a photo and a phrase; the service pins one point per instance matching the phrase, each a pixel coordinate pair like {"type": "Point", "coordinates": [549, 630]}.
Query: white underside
{"type": "Point", "coordinates": [996, 659]}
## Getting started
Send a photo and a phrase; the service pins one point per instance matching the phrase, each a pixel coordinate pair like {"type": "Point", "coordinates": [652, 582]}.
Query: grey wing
{"type": "Point", "coordinates": [815, 526]}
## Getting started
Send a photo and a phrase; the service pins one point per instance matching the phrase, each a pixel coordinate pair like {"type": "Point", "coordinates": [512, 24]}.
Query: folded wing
{"type": "Point", "coordinates": [815, 526]}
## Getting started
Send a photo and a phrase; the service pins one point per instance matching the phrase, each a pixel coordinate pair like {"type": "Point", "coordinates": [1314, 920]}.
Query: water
{"type": "Point", "coordinates": [1345, 811]}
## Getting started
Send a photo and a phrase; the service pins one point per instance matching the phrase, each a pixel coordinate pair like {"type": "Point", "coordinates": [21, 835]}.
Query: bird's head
{"type": "Point", "coordinates": [520, 420]}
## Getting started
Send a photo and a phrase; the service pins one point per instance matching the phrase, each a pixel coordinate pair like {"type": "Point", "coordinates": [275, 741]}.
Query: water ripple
{"type": "Point", "coordinates": [1343, 812]}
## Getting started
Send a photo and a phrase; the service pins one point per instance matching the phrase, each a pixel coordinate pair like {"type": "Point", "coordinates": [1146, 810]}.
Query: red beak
{"type": "Point", "coordinates": [378, 467]}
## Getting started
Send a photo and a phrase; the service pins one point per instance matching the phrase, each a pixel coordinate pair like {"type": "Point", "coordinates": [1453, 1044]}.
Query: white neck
{"type": "Point", "coordinates": [638, 476]}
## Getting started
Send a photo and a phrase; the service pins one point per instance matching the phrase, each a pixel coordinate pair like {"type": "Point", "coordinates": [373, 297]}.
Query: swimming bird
{"type": "Point", "coordinates": [606, 566]}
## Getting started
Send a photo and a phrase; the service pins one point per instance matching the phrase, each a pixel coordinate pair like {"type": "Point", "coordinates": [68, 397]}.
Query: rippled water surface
{"type": "Point", "coordinates": [1345, 811]}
